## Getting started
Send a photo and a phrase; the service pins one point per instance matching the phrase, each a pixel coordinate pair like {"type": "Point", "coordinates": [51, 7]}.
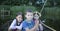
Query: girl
{"type": "Point", "coordinates": [16, 25]}
{"type": "Point", "coordinates": [36, 18]}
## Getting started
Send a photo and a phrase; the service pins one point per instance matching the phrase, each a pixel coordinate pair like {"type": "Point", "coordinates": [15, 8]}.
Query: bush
{"type": "Point", "coordinates": [16, 9]}
{"type": "Point", "coordinates": [52, 17]}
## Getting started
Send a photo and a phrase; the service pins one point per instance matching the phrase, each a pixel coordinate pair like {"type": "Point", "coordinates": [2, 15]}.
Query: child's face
{"type": "Point", "coordinates": [29, 15]}
{"type": "Point", "coordinates": [19, 18]}
{"type": "Point", "coordinates": [36, 16]}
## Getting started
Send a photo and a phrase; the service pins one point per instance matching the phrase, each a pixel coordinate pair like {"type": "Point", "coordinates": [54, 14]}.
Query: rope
{"type": "Point", "coordinates": [48, 27]}
{"type": "Point", "coordinates": [40, 16]}
{"type": "Point", "coordinates": [43, 6]}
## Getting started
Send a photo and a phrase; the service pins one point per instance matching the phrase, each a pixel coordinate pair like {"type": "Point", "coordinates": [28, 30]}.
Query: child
{"type": "Point", "coordinates": [17, 23]}
{"type": "Point", "coordinates": [36, 18]}
{"type": "Point", "coordinates": [28, 23]}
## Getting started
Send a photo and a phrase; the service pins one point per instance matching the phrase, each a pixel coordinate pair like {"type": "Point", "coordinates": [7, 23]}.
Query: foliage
{"type": "Point", "coordinates": [52, 16]}
{"type": "Point", "coordinates": [16, 9]}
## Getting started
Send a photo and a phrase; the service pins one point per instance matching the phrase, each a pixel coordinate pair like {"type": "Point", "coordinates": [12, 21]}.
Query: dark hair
{"type": "Point", "coordinates": [36, 13]}
{"type": "Point", "coordinates": [28, 10]}
{"type": "Point", "coordinates": [19, 13]}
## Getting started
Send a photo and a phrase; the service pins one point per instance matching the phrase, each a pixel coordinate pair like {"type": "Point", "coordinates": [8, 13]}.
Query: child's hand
{"type": "Point", "coordinates": [36, 24]}
{"type": "Point", "coordinates": [36, 21]}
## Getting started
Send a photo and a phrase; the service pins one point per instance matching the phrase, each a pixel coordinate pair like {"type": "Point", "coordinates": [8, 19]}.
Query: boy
{"type": "Point", "coordinates": [28, 23]}
{"type": "Point", "coordinates": [17, 23]}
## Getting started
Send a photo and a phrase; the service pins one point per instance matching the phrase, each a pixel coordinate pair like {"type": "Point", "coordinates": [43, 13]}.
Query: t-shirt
{"type": "Point", "coordinates": [14, 25]}
{"type": "Point", "coordinates": [27, 25]}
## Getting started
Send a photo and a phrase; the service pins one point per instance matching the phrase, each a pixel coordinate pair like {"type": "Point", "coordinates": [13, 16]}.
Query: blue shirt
{"type": "Point", "coordinates": [27, 25]}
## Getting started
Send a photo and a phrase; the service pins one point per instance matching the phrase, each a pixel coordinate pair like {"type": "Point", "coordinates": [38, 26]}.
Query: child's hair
{"type": "Point", "coordinates": [28, 10]}
{"type": "Point", "coordinates": [36, 13]}
{"type": "Point", "coordinates": [19, 13]}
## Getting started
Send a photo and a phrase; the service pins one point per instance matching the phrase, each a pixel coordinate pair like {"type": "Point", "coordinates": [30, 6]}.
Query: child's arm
{"type": "Point", "coordinates": [36, 25]}
{"type": "Point", "coordinates": [19, 27]}
{"type": "Point", "coordinates": [41, 27]}
{"type": "Point", "coordinates": [33, 29]}
{"type": "Point", "coordinates": [12, 26]}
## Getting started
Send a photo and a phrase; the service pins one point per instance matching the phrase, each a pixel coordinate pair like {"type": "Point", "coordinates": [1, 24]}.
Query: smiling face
{"type": "Point", "coordinates": [36, 16]}
{"type": "Point", "coordinates": [19, 18]}
{"type": "Point", "coordinates": [29, 15]}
